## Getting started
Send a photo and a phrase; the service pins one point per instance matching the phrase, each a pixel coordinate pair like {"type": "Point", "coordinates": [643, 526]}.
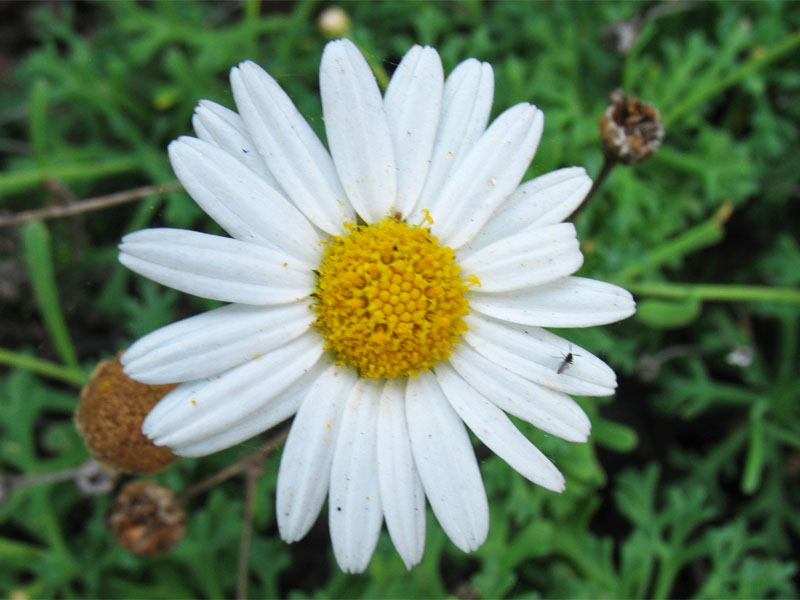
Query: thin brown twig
{"type": "Point", "coordinates": [53, 212]}
{"type": "Point", "coordinates": [242, 464]}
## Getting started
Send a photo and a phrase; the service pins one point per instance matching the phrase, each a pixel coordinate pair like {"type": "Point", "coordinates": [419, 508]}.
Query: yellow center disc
{"type": "Point", "coordinates": [390, 300]}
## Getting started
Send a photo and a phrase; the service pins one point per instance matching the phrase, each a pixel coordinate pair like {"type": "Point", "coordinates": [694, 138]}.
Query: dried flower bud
{"type": "Point", "coordinates": [334, 22]}
{"type": "Point", "coordinates": [632, 130]}
{"type": "Point", "coordinates": [93, 479]}
{"type": "Point", "coordinates": [109, 417]}
{"type": "Point", "coordinates": [146, 519]}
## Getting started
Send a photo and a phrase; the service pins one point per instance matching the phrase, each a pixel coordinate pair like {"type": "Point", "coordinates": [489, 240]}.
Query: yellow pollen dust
{"type": "Point", "coordinates": [390, 300]}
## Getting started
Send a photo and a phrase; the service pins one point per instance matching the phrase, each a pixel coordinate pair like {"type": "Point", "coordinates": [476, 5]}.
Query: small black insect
{"type": "Point", "coordinates": [566, 360]}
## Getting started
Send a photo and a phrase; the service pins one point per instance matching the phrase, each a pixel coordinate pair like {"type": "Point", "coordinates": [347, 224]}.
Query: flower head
{"type": "Point", "coordinates": [386, 291]}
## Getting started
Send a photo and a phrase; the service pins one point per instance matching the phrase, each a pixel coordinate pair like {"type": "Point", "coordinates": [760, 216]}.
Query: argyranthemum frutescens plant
{"type": "Point", "coordinates": [386, 292]}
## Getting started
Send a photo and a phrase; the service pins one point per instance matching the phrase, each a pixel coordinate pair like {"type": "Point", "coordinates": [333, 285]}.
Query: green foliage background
{"type": "Point", "coordinates": [689, 485]}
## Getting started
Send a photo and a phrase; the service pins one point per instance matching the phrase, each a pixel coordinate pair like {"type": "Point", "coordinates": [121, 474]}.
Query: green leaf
{"type": "Point", "coordinates": [613, 435]}
{"type": "Point", "coordinates": [39, 259]}
{"type": "Point", "coordinates": [666, 314]}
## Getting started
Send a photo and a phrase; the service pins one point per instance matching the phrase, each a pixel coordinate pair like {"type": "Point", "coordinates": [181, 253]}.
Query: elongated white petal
{"type": "Point", "coordinates": [413, 104]}
{"type": "Point", "coordinates": [545, 200]}
{"type": "Point", "coordinates": [193, 400]}
{"type": "Point", "coordinates": [402, 496]}
{"type": "Point", "coordinates": [496, 430]}
{"type": "Point", "coordinates": [488, 175]}
{"type": "Point", "coordinates": [222, 127]}
{"type": "Point", "coordinates": [188, 415]}
{"type": "Point", "coordinates": [242, 202]}
{"type": "Point", "coordinates": [537, 354]}
{"type": "Point", "coordinates": [446, 463]}
{"type": "Point", "coordinates": [213, 342]}
{"type": "Point", "coordinates": [467, 102]}
{"type": "Point", "coordinates": [525, 259]}
{"type": "Point", "coordinates": [567, 302]}
{"type": "Point", "coordinates": [550, 411]}
{"type": "Point", "coordinates": [358, 131]}
{"type": "Point", "coordinates": [354, 506]}
{"type": "Point", "coordinates": [215, 267]}
{"type": "Point", "coordinates": [274, 411]}
{"type": "Point", "coordinates": [294, 153]}
{"type": "Point", "coordinates": [308, 454]}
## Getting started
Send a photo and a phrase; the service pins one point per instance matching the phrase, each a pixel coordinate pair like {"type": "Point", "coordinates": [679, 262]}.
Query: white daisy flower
{"type": "Point", "coordinates": [386, 291]}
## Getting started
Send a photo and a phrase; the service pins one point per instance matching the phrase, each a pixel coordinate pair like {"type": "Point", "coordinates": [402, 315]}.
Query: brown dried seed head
{"type": "Point", "coordinates": [632, 130]}
{"type": "Point", "coordinates": [146, 519]}
{"type": "Point", "coordinates": [109, 417]}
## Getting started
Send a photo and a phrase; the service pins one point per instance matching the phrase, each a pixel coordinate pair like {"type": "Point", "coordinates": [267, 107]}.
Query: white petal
{"type": "Point", "coordinates": [354, 505]}
{"type": "Point", "coordinates": [446, 463]}
{"type": "Point", "coordinates": [525, 259]}
{"type": "Point", "coordinates": [537, 354]}
{"type": "Point", "coordinates": [213, 342]}
{"type": "Point", "coordinates": [294, 153]}
{"type": "Point", "coordinates": [274, 411]}
{"type": "Point", "coordinates": [357, 129]}
{"type": "Point", "coordinates": [242, 202]}
{"type": "Point", "coordinates": [308, 454]}
{"type": "Point", "coordinates": [413, 104]}
{"type": "Point", "coordinates": [546, 200]}
{"type": "Point", "coordinates": [467, 101]}
{"type": "Point", "coordinates": [488, 175]}
{"type": "Point", "coordinates": [222, 127]}
{"type": "Point", "coordinates": [188, 415]}
{"type": "Point", "coordinates": [215, 267]}
{"type": "Point", "coordinates": [567, 302]}
{"type": "Point", "coordinates": [496, 430]}
{"type": "Point", "coordinates": [402, 496]}
{"type": "Point", "coordinates": [550, 411]}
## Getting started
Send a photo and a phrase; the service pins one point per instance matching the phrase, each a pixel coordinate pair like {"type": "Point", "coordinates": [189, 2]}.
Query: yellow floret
{"type": "Point", "coordinates": [390, 300]}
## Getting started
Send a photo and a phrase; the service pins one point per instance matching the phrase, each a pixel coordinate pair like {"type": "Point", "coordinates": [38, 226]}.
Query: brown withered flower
{"type": "Point", "coordinates": [632, 130]}
{"type": "Point", "coordinates": [146, 518]}
{"type": "Point", "coordinates": [109, 417]}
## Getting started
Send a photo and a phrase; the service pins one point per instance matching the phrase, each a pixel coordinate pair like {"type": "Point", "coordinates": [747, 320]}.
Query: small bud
{"type": "Point", "coordinates": [741, 356]}
{"type": "Point", "coordinates": [632, 130]}
{"type": "Point", "coordinates": [110, 415]}
{"type": "Point", "coordinates": [146, 519]}
{"type": "Point", "coordinates": [620, 36]}
{"type": "Point", "coordinates": [333, 23]}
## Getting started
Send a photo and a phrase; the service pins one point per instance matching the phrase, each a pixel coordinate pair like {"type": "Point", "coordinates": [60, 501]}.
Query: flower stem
{"type": "Point", "coordinates": [43, 367]}
{"type": "Point", "coordinates": [608, 165]}
{"type": "Point", "coordinates": [22, 180]}
{"type": "Point", "coordinates": [243, 464]}
{"type": "Point", "coordinates": [704, 234]}
{"type": "Point", "coordinates": [708, 291]}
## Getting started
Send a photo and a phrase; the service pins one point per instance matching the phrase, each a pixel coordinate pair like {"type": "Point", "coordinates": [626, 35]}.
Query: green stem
{"type": "Point", "coordinates": [608, 165]}
{"type": "Point", "coordinates": [43, 367]}
{"type": "Point", "coordinates": [782, 435]}
{"type": "Point", "coordinates": [748, 67]}
{"type": "Point", "coordinates": [22, 180]}
{"type": "Point", "coordinates": [702, 235]}
{"type": "Point", "coordinates": [710, 291]}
